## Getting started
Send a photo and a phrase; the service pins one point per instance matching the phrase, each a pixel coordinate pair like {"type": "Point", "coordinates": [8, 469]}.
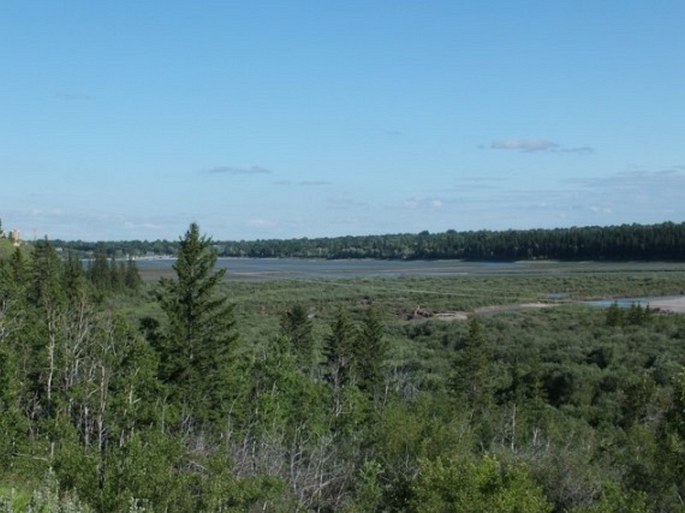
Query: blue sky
{"type": "Point", "coordinates": [279, 119]}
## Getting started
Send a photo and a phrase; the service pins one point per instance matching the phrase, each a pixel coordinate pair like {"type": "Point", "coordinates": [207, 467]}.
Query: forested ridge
{"type": "Point", "coordinates": [196, 394]}
{"type": "Point", "coordinates": [664, 241]}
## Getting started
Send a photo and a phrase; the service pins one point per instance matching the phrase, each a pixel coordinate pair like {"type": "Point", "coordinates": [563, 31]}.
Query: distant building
{"type": "Point", "coordinates": [15, 237]}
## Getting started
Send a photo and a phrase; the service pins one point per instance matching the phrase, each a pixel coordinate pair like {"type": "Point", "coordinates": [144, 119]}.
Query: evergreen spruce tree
{"type": "Point", "coordinates": [469, 379]}
{"type": "Point", "coordinates": [74, 278]}
{"type": "Point", "coordinates": [19, 267]}
{"type": "Point", "coordinates": [297, 328]}
{"type": "Point", "coordinates": [132, 278]}
{"type": "Point", "coordinates": [46, 275]}
{"type": "Point", "coordinates": [339, 351]}
{"type": "Point", "coordinates": [370, 352]}
{"type": "Point", "coordinates": [117, 275]}
{"type": "Point", "coordinates": [98, 271]}
{"type": "Point", "coordinates": [200, 330]}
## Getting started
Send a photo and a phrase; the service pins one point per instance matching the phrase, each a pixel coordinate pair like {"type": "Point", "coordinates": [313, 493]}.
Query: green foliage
{"type": "Point", "coordinates": [624, 242]}
{"type": "Point", "coordinates": [297, 327]}
{"type": "Point", "coordinates": [147, 468]}
{"type": "Point", "coordinates": [45, 499]}
{"type": "Point", "coordinates": [339, 350]}
{"type": "Point", "coordinates": [6, 249]}
{"type": "Point", "coordinates": [132, 279]}
{"type": "Point", "coordinates": [334, 405]}
{"type": "Point", "coordinates": [13, 424]}
{"type": "Point", "coordinates": [199, 335]}
{"type": "Point", "coordinates": [110, 275]}
{"type": "Point", "coordinates": [46, 275]}
{"type": "Point", "coordinates": [614, 315]}
{"type": "Point", "coordinates": [488, 486]}
{"type": "Point", "coordinates": [371, 349]}
{"type": "Point", "coordinates": [470, 377]}
{"type": "Point", "coordinates": [99, 271]}
{"type": "Point", "coordinates": [369, 489]}
{"type": "Point", "coordinates": [615, 500]}
{"type": "Point", "coordinates": [635, 315]}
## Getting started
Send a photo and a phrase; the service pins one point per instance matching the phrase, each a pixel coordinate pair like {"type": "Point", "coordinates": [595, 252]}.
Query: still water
{"type": "Point", "coordinates": [306, 269]}
{"type": "Point", "coordinates": [627, 302]}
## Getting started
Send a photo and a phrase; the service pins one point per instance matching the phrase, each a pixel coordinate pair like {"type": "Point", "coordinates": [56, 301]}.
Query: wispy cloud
{"type": "Point", "coordinates": [538, 145]}
{"type": "Point", "coordinates": [303, 183]}
{"type": "Point", "coordinates": [86, 224]}
{"type": "Point", "coordinates": [308, 183]}
{"type": "Point", "coordinates": [261, 223]}
{"type": "Point", "coordinates": [142, 226]}
{"type": "Point", "coordinates": [581, 150]}
{"type": "Point", "coordinates": [523, 145]}
{"type": "Point", "coordinates": [52, 212]}
{"type": "Point", "coordinates": [423, 203]}
{"type": "Point", "coordinates": [634, 195]}
{"type": "Point", "coordinates": [669, 182]}
{"type": "Point", "coordinates": [644, 195]}
{"type": "Point", "coordinates": [228, 170]}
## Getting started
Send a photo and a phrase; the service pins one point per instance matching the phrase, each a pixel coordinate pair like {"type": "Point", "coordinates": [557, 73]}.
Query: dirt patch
{"type": "Point", "coordinates": [421, 313]}
{"type": "Point", "coordinates": [487, 310]}
{"type": "Point", "coordinates": [670, 304]}
{"type": "Point", "coordinates": [673, 304]}
{"type": "Point", "coordinates": [451, 316]}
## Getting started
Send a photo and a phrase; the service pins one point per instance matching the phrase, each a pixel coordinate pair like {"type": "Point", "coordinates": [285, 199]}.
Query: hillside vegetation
{"type": "Point", "coordinates": [198, 394]}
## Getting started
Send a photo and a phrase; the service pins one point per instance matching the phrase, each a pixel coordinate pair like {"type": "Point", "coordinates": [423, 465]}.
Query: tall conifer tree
{"type": "Point", "coordinates": [370, 352]}
{"type": "Point", "coordinates": [200, 329]}
{"type": "Point", "coordinates": [297, 327]}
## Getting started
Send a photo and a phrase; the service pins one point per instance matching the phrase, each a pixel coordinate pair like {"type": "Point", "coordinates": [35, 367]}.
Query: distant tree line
{"type": "Point", "coordinates": [665, 241]}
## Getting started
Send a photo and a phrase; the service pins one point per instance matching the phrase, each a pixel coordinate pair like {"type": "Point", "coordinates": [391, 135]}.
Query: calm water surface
{"type": "Point", "coordinates": [293, 268]}
{"type": "Point", "coordinates": [627, 302]}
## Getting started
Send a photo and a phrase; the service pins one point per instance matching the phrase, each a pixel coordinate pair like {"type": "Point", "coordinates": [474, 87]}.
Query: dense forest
{"type": "Point", "coordinates": [663, 241]}
{"type": "Point", "coordinates": [195, 394]}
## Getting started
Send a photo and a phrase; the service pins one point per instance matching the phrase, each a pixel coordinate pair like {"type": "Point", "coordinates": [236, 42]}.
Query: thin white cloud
{"type": "Point", "coordinates": [146, 226]}
{"type": "Point", "coordinates": [528, 145]}
{"type": "Point", "coordinates": [422, 203]}
{"type": "Point", "coordinates": [87, 224]}
{"type": "Point", "coordinates": [261, 223]}
{"type": "Point", "coordinates": [314, 182]}
{"type": "Point", "coordinates": [538, 145]}
{"type": "Point", "coordinates": [669, 182]}
{"type": "Point", "coordinates": [51, 212]}
{"type": "Point", "coordinates": [303, 183]}
{"type": "Point", "coordinates": [636, 195]}
{"type": "Point", "coordinates": [228, 170]}
{"type": "Point", "coordinates": [581, 150]}
{"type": "Point", "coordinates": [601, 210]}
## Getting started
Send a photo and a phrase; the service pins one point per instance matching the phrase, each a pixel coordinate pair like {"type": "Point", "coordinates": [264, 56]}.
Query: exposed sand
{"type": "Point", "coordinates": [513, 308]}
{"type": "Point", "coordinates": [672, 304]}
{"type": "Point", "coordinates": [451, 316]}
{"type": "Point", "coordinates": [487, 310]}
